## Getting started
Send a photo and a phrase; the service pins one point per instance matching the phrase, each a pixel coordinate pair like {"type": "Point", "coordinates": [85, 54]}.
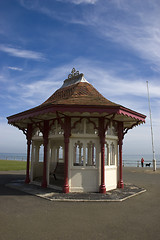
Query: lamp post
{"type": "Point", "coordinates": [154, 159]}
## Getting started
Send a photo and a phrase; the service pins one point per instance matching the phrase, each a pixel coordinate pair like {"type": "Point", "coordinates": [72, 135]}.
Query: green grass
{"type": "Point", "coordinates": [11, 165]}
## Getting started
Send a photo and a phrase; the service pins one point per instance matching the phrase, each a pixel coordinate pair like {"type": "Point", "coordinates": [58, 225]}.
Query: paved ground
{"type": "Point", "coordinates": [53, 194]}
{"type": "Point", "coordinates": [24, 216]}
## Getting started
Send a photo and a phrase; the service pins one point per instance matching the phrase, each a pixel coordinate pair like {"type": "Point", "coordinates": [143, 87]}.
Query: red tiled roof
{"type": "Point", "coordinates": [81, 93]}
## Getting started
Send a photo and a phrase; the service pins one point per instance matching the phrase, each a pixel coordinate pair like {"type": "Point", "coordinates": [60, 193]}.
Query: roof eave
{"type": "Point", "coordinates": [40, 110]}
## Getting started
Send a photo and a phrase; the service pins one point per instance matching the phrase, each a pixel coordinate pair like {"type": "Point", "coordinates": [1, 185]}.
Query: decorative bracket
{"type": "Point", "coordinates": [24, 130]}
{"type": "Point", "coordinates": [127, 129]}
{"type": "Point", "coordinates": [60, 120]}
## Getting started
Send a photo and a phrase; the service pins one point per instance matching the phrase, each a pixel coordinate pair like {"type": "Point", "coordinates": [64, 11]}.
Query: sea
{"type": "Point", "coordinates": [17, 156]}
{"type": "Point", "coordinates": [128, 160]}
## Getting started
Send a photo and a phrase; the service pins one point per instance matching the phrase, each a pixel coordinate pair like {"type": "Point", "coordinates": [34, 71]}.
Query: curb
{"type": "Point", "coordinates": [117, 195]}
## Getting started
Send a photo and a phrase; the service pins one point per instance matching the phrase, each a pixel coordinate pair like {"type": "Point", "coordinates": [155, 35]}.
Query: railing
{"type": "Point", "coordinates": [17, 157]}
{"type": "Point", "coordinates": [126, 163]}
{"type": "Point", "coordinates": [135, 163]}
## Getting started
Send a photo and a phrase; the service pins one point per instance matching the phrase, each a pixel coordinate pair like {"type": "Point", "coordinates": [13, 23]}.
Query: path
{"type": "Point", "coordinates": [24, 216]}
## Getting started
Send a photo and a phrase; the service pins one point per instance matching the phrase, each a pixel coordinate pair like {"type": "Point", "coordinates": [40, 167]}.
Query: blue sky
{"type": "Point", "coordinates": [115, 43]}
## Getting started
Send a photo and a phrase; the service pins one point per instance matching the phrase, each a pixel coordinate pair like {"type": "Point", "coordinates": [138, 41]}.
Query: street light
{"type": "Point", "coordinates": [154, 159]}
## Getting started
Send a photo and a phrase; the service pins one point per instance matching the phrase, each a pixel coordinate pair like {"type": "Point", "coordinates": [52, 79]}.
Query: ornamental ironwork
{"type": "Point", "coordinates": [73, 73]}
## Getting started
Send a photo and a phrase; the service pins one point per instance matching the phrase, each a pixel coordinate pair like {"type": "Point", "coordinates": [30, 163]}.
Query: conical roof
{"type": "Point", "coordinates": [76, 90]}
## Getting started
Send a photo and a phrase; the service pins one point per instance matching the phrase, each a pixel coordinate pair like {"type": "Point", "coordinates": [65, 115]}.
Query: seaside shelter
{"type": "Point", "coordinates": [80, 134]}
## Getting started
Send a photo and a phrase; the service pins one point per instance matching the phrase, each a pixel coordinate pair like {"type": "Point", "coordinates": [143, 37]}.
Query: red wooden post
{"type": "Point", "coordinates": [45, 142]}
{"type": "Point", "coordinates": [102, 142]}
{"type": "Point", "coordinates": [120, 137]}
{"type": "Point", "coordinates": [67, 133]}
{"type": "Point", "coordinates": [29, 138]}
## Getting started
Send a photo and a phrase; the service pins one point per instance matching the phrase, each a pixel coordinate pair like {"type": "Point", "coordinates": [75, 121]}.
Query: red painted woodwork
{"type": "Point", "coordinates": [102, 142]}
{"type": "Point", "coordinates": [120, 138]}
{"type": "Point", "coordinates": [45, 142]}
{"type": "Point", "coordinates": [67, 134]}
{"type": "Point", "coordinates": [29, 137]}
{"type": "Point", "coordinates": [66, 185]}
{"type": "Point", "coordinates": [76, 108]}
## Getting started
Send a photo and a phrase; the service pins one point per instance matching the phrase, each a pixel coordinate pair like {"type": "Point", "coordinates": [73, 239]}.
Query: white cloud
{"type": "Point", "coordinates": [15, 68]}
{"type": "Point", "coordinates": [79, 1]}
{"type": "Point", "coordinates": [108, 80]}
{"type": "Point", "coordinates": [132, 24]}
{"type": "Point", "coordinates": [30, 4]}
{"type": "Point", "coordinates": [21, 53]}
{"type": "Point", "coordinates": [131, 94]}
{"type": "Point", "coordinates": [32, 93]}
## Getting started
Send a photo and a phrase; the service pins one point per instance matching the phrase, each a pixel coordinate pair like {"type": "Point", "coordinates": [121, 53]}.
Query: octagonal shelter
{"type": "Point", "coordinates": [80, 134]}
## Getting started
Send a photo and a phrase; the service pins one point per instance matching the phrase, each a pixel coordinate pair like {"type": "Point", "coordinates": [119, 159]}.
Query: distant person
{"type": "Point", "coordinates": [142, 162]}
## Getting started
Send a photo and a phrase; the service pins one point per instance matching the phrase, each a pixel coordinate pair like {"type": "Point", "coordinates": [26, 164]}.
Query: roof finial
{"type": "Point", "coordinates": [73, 73]}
